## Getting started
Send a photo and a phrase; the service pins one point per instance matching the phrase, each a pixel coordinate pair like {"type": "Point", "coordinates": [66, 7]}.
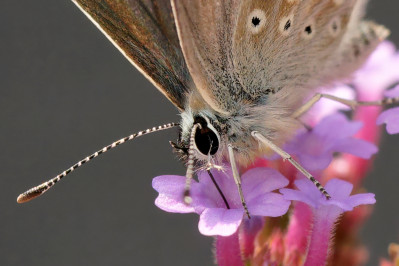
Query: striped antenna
{"type": "Point", "coordinates": [190, 165]}
{"type": "Point", "coordinates": [40, 189]}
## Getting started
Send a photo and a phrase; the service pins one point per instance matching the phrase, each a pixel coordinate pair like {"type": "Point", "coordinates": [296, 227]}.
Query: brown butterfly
{"type": "Point", "coordinates": [238, 70]}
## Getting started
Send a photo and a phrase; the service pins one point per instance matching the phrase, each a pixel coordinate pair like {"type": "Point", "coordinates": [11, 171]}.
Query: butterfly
{"type": "Point", "coordinates": [239, 71]}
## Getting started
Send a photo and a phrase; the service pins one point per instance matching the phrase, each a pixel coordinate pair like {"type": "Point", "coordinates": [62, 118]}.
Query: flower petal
{"type": "Point", "coordinates": [339, 121]}
{"type": "Point", "coordinates": [378, 73]}
{"type": "Point", "coordinates": [292, 194]}
{"type": "Point", "coordinates": [361, 199]}
{"type": "Point", "coordinates": [325, 107]}
{"type": "Point", "coordinates": [223, 222]}
{"type": "Point", "coordinates": [356, 147]}
{"type": "Point", "coordinates": [258, 181]}
{"type": "Point", "coordinates": [207, 195]}
{"type": "Point", "coordinates": [268, 204]}
{"type": "Point", "coordinates": [341, 204]}
{"type": "Point", "coordinates": [338, 189]}
{"type": "Point", "coordinates": [392, 93]}
{"type": "Point", "coordinates": [170, 198]}
{"type": "Point", "coordinates": [210, 197]}
{"type": "Point", "coordinates": [391, 118]}
{"type": "Point", "coordinates": [315, 162]}
{"type": "Point", "coordinates": [314, 149]}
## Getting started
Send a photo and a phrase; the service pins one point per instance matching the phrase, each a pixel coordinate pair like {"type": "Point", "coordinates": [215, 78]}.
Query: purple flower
{"type": "Point", "coordinates": [392, 93]}
{"type": "Point", "coordinates": [314, 149]}
{"type": "Point", "coordinates": [379, 72]}
{"type": "Point", "coordinates": [215, 217]}
{"type": "Point", "coordinates": [325, 107]}
{"type": "Point", "coordinates": [391, 116]}
{"type": "Point", "coordinates": [339, 191]}
{"type": "Point", "coordinates": [325, 212]}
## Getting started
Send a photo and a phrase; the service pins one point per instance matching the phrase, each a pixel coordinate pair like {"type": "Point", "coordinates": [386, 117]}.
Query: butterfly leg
{"type": "Point", "coordinates": [288, 157]}
{"type": "Point", "coordinates": [351, 103]}
{"type": "Point", "coordinates": [237, 179]}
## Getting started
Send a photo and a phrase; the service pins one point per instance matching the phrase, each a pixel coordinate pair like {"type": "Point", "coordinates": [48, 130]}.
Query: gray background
{"type": "Point", "coordinates": [65, 91]}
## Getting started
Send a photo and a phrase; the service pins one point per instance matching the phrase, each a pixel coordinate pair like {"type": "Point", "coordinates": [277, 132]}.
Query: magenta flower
{"type": "Point", "coordinates": [391, 116]}
{"type": "Point", "coordinates": [325, 212]}
{"type": "Point", "coordinates": [314, 149]}
{"type": "Point", "coordinates": [215, 217]}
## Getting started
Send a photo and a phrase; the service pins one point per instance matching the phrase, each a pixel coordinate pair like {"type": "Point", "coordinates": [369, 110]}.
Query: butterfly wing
{"type": "Point", "coordinates": [206, 31]}
{"type": "Point", "coordinates": [145, 33]}
{"type": "Point", "coordinates": [247, 50]}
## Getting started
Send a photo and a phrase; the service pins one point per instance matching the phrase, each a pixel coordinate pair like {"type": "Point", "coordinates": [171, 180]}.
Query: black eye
{"type": "Point", "coordinates": [206, 141]}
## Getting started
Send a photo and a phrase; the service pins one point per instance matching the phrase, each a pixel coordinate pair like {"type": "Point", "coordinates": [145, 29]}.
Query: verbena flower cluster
{"type": "Point", "coordinates": [292, 223]}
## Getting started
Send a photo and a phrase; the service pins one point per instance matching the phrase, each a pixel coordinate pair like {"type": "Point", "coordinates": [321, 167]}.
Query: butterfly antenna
{"type": "Point", "coordinates": [190, 165]}
{"type": "Point", "coordinates": [40, 189]}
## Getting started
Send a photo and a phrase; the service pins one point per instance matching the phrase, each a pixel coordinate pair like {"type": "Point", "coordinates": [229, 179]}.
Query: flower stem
{"type": "Point", "coordinates": [228, 251]}
{"type": "Point", "coordinates": [323, 226]}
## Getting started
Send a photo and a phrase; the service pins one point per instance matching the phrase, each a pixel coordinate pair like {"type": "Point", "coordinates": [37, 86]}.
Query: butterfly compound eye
{"type": "Point", "coordinates": [206, 139]}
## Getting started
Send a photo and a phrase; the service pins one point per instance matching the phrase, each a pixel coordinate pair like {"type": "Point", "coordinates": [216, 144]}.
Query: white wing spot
{"type": "Point", "coordinates": [256, 21]}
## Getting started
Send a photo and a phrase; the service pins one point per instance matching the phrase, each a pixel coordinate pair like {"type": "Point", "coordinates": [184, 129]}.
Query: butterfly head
{"type": "Point", "coordinates": [207, 136]}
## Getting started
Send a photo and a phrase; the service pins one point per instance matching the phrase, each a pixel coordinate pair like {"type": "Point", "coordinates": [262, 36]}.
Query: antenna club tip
{"type": "Point", "coordinates": [22, 198]}
{"type": "Point", "coordinates": [28, 196]}
{"type": "Point", "coordinates": [187, 198]}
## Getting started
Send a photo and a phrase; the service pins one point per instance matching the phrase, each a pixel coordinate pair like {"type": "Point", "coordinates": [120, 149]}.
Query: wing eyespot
{"type": "Point", "coordinates": [309, 31]}
{"type": "Point", "coordinates": [256, 21]}
{"type": "Point", "coordinates": [334, 27]}
{"type": "Point", "coordinates": [286, 25]}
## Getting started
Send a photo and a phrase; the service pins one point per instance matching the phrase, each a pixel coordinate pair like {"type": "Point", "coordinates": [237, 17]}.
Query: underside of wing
{"type": "Point", "coordinates": [144, 31]}
{"type": "Point", "coordinates": [248, 50]}
{"type": "Point", "coordinates": [206, 33]}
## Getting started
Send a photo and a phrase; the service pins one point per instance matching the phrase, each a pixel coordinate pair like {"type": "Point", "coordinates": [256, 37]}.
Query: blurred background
{"type": "Point", "coordinates": [65, 92]}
